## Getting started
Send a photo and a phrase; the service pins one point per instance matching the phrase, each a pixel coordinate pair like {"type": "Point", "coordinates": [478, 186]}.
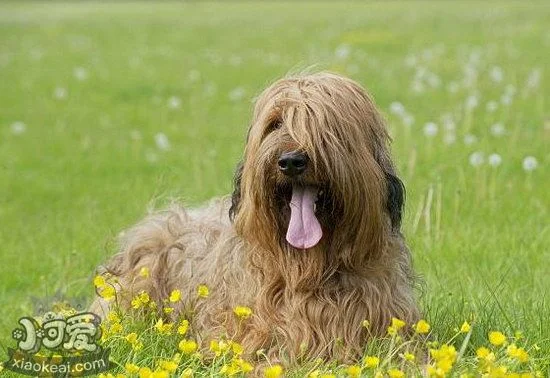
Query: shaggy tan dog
{"type": "Point", "coordinates": [310, 239]}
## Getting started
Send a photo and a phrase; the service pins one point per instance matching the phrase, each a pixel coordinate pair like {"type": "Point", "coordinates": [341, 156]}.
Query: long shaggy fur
{"type": "Point", "coordinates": [306, 303]}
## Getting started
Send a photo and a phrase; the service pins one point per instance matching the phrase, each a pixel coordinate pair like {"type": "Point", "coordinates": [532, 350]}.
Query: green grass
{"type": "Point", "coordinates": [87, 165]}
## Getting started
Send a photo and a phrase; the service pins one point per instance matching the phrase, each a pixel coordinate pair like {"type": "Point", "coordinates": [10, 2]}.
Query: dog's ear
{"type": "Point", "coordinates": [396, 199]}
{"type": "Point", "coordinates": [236, 196]}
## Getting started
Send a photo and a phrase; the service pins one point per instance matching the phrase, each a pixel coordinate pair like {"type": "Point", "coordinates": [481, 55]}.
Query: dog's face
{"type": "Point", "coordinates": [316, 167]}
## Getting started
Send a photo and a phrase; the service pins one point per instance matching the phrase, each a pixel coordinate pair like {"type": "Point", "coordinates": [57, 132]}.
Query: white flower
{"type": "Point", "coordinates": [162, 142]}
{"type": "Point", "coordinates": [236, 94]}
{"type": "Point", "coordinates": [469, 139]}
{"type": "Point", "coordinates": [494, 160]}
{"type": "Point", "coordinates": [534, 78]}
{"type": "Point", "coordinates": [174, 102]}
{"type": "Point", "coordinates": [430, 129]}
{"type": "Point", "coordinates": [496, 74]}
{"type": "Point", "coordinates": [448, 122]}
{"type": "Point", "coordinates": [408, 119]}
{"type": "Point", "coordinates": [498, 129]}
{"type": "Point", "coordinates": [476, 159]}
{"type": "Point", "coordinates": [492, 106]}
{"type": "Point", "coordinates": [397, 108]}
{"type": "Point", "coordinates": [60, 93]}
{"type": "Point", "coordinates": [18, 127]}
{"type": "Point", "coordinates": [342, 51]}
{"type": "Point", "coordinates": [472, 102]}
{"type": "Point", "coordinates": [530, 163]}
{"type": "Point", "coordinates": [449, 138]}
{"type": "Point", "coordinates": [80, 73]}
{"type": "Point", "coordinates": [453, 87]}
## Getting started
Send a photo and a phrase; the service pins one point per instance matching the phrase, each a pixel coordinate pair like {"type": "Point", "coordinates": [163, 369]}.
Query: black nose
{"type": "Point", "coordinates": [293, 163]}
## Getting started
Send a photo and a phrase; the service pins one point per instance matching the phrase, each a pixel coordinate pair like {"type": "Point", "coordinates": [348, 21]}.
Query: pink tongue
{"type": "Point", "coordinates": [304, 230]}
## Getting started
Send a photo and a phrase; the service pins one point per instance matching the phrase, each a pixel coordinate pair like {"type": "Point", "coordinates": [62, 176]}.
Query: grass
{"type": "Point", "coordinates": [87, 86]}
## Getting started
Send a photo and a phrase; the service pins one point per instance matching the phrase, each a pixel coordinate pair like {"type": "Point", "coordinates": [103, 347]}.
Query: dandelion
{"type": "Point", "coordinates": [163, 328]}
{"type": "Point", "coordinates": [409, 356]}
{"type": "Point", "coordinates": [484, 353]}
{"type": "Point", "coordinates": [465, 327]}
{"type": "Point", "coordinates": [187, 346]}
{"type": "Point", "coordinates": [518, 353]}
{"type": "Point", "coordinates": [60, 93]}
{"type": "Point", "coordinates": [169, 366]}
{"type": "Point", "coordinates": [497, 129]}
{"type": "Point", "coordinates": [430, 129]}
{"type": "Point", "coordinates": [113, 317]}
{"type": "Point", "coordinates": [529, 163]}
{"type": "Point", "coordinates": [203, 291]}
{"type": "Point", "coordinates": [174, 102]}
{"type": "Point", "coordinates": [274, 371]}
{"type": "Point", "coordinates": [80, 73]}
{"type": "Point", "coordinates": [18, 128]}
{"type": "Point", "coordinates": [162, 142]}
{"type": "Point", "coordinates": [469, 139]}
{"type": "Point", "coordinates": [183, 327]}
{"type": "Point", "coordinates": [144, 272]}
{"type": "Point", "coordinates": [236, 94]}
{"type": "Point", "coordinates": [397, 108]}
{"type": "Point", "coordinates": [237, 348]}
{"type": "Point", "coordinates": [476, 159]}
{"type": "Point", "coordinates": [99, 281]}
{"type": "Point", "coordinates": [497, 338]}
{"type": "Point", "coordinates": [131, 368]}
{"type": "Point", "coordinates": [494, 160]}
{"type": "Point", "coordinates": [342, 51]}
{"type": "Point", "coordinates": [175, 296]}
{"type": "Point", "coordinates": [491, 106]}
{"type": "Point", "coordinates": [107, 292]}
{"type": "Point", "coordinates": [168, 310]}
{"type": "Point", "coordinates": [353, 371]}
{"type": "Point", "coordinates": [422, 327]}
{"type": "Point", "coordinates": [242, 312]}
{"type": "Point", "coordinates": [395, 373]}
{"type": "Point", "coordinates": [496, 74]}
{"type": "Point", "coordinates": [145, 372]}
{"type": "Point", "coordinates": [371, 362]}
{"type": "Point", "coordinates": [131, 338]}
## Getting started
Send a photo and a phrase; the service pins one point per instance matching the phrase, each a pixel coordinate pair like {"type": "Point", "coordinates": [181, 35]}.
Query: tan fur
{"type": "Point", "coordinates": [306, 303]}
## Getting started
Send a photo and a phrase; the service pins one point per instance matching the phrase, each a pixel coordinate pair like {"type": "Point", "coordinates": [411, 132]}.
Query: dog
{"type": "Point", "coordinates": [310, 238]}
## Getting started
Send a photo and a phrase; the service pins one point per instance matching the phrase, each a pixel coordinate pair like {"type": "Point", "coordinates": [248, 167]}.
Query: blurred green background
{"type": "Point", "coordinates": [108, 109]}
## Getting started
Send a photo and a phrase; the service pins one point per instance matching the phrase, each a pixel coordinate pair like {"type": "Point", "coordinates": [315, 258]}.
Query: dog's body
{"type": "Point", "coordinates": [309, 240]}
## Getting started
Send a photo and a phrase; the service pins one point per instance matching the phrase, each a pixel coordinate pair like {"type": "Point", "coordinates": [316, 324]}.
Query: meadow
{"type": "Point", "coordinates": [107, 110]}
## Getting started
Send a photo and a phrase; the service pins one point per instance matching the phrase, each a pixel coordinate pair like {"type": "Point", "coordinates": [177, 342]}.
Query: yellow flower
{"type": "Point", "coordinates": [160, 374]}
{"type": "Point", "coordinates": [497, 338]}
{"type": "Point", "coordinates": [219, 347]}
{"type": "Point", "coordinates": [314, 374]}
{"type": "Point", "coordinates": [144, 297]}
{"type": "Point", "coordinates": [115, 328]}
{"type": "Point", "coordinates": [131, 368]}
{"type": "Point", "coordinates": [168, 310]}
{"type": "Point", "coordinates": [144, 272]}
{"type": "Point", "coordinates": [99, 281]}
{"type": "Point", "coordinates": [485, 354]}
{"type": "Point", "coordinates": [397, 323]}
{"type": "Point", "coordinates": [131, 338]}
{"type": "Point", "coordinates": [422, 327]}
{"type": "Point", "coordinates": [169, 366]}
{"type": "Point", "coordinates": [145, 372]}
{"type": "Point", "coordinates": [246, 367]}
{"type": "Point", "coordinates": [353, 371]}
{"type": "Point", "coordinates": [203, 291]}
{"type": "Point", "coordinates": [274, 371]}
{"type": "Point", "coordinates": [113, 317]}
{"type": "Point", "coordinates": [183, 327]}
{"type": "Point", "coordinates": [237, 348]}
{"type": "Point", "coordinates": [409, 356]}
{"type": "Point", "coordinates": [327, 375]}
{"type": "Point", "coordinates": [163, 328]}
{"type": "Point", "coordinates": [371, 361]}
{"type": "Point", "coordinates": [175, 296]}
{"type": "Point", "coordinates": [243, 313]}
{"type": "Point", "coordinates": [366, 324]}
{"type": "Point", "coordinates": [465, 327]}
{"type": "Point", "coordinates": [518, 353]}
{"type": "Point", "coordinates": [395, 373]}
{"type": "Point", "coordinates": [107, 292]}
{"type": "Point", "coordinates": [188, 346]}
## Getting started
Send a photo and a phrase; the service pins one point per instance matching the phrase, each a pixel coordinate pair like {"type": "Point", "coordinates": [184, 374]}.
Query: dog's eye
{"type": "Point", "coordinates": [273, 125]}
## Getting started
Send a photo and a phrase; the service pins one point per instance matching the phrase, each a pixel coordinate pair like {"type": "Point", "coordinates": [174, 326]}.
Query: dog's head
{"type": "Point", "coordinates": [316, 168]}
